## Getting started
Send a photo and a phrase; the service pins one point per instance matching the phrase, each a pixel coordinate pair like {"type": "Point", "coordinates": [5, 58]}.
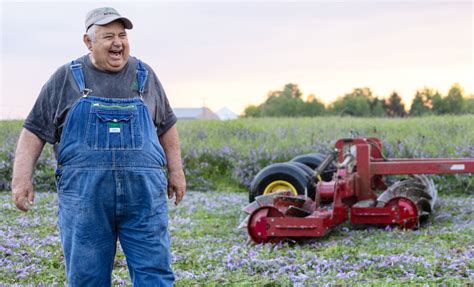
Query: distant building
{"type": "Point", "coordinates": [195, 114]}
{"type": "Point", "coordinates": [226, 114]}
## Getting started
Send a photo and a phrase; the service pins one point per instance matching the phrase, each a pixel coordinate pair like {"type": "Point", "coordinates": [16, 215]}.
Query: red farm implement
{"type": "Point", "coordinates": [310, 195]}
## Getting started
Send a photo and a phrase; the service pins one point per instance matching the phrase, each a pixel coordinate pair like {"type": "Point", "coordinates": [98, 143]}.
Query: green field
{"type": "Point", "coordinates": [226, 155]}
{"type": "Point", "coordinates": [208, 250]}
{"type": "Point", "coordinates": [220, 159]}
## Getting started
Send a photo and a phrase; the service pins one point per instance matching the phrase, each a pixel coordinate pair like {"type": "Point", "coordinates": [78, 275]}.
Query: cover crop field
{"type": "Point", "coordinates": [220, 160]}
{"type": "Point", "coordinates": [208, 250]}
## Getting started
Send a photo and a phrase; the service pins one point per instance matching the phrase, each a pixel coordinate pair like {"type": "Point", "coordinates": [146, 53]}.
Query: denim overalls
{"type": "Point", "coordinates": [112, 183]}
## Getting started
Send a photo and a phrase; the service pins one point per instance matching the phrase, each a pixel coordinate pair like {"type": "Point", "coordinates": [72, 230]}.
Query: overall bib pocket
{"type": "Point", "coordinates": [114, 128]}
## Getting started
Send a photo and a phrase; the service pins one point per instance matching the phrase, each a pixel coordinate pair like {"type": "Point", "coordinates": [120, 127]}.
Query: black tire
{"type": "Point", "coordinates": [290, 173]}
{"type": "Point", "coordinates": [309, 171]}
{"type": "Point", "coordinates": [313, 160]}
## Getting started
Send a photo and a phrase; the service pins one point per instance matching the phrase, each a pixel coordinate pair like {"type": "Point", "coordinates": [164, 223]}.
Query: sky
{"type": "Point", "coordinates": [233, 53]}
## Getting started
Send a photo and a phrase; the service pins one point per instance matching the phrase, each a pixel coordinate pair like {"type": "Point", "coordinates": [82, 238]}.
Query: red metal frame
{"type": "Point", "coordinates": [355, 184]}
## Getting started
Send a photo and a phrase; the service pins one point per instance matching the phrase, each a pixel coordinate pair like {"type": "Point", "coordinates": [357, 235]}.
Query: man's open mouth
{"type": "Point", "coordinates": [115, 54]}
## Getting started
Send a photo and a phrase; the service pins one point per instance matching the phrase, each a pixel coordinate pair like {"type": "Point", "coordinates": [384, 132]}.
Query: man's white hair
{"type": "Point", "coordinates": [91, 32]}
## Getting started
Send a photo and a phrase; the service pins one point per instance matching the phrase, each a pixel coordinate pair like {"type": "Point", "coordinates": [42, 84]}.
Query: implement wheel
{"type": "Point", "coordinates": [313, 160]}
{"type": "Point", "coordinates": [257, 226]}
{"type": "Point", "coordinates": [309, 171]}
{"type": "Point", "coordinates": [281, 177]}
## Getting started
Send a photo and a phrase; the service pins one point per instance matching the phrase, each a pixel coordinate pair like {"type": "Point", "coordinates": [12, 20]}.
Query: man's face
{"type": "Point", "coordinates": [110, 49]}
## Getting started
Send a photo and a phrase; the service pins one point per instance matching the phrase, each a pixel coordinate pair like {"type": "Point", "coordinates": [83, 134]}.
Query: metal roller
{"type": "Point", "coordinates": [418, 188]}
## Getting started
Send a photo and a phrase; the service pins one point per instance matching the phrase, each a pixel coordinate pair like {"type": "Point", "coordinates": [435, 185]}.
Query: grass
{"type": "Point", "coordinates": [226, 155]}
{"type": "Point", "coordinates": [244, 135]}
{"type": "Point", "coordinates": [425, 133]}
{"type": "Point", "coordinates": [208, 250]}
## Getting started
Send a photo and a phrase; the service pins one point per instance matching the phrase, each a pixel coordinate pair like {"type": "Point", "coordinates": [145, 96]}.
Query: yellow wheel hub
{"type": "Point", "coordinates": [280, 186]}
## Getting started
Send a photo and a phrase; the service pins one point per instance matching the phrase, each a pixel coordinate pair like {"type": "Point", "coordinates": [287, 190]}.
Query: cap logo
{"type": "Point", "coordinates": [110, 12]}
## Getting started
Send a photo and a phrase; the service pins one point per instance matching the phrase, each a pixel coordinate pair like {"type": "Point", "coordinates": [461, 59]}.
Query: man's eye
{"type": "Point", "coordinates": [108, 37]}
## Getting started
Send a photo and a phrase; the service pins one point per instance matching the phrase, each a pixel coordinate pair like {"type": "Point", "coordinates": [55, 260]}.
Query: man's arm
{"type": "Point", "coordinates": [28, 150]}
{"type": "Point", "coordinates": [176, 181]}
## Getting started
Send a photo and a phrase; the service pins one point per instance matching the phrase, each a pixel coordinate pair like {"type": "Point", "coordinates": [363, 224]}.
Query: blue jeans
{"type": "Point", "coordinates": [112, 184]}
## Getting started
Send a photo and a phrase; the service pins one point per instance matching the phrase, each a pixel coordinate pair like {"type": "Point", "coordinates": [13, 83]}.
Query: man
{"type": "Point", "coordinates": [114, 132]}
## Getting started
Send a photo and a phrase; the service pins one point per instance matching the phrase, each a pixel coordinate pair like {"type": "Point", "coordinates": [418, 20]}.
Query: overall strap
{"type": "Point", "coordinates": [78, 74]}
{"type": "Point", "coordinates": [142, 75]}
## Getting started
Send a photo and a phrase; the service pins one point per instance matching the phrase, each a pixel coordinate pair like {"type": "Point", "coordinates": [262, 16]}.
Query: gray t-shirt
{"type": "Point", "coordinates": [60, 92]}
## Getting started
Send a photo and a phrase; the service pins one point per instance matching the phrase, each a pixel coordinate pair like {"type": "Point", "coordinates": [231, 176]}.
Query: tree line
{"type": "Point", "coordinates": [362, 103]}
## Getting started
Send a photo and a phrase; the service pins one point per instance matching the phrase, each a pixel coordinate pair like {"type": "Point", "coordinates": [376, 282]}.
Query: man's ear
{"type": "Point", "coordinates": [88, 41]}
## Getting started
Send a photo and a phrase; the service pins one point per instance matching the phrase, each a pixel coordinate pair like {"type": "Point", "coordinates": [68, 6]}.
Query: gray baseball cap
{"type": "Point", "coordinates": [105, 15]}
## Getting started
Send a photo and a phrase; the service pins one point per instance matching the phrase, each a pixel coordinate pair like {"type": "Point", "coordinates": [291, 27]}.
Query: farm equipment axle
{"type": "Point", "coordinates": [292, 201]}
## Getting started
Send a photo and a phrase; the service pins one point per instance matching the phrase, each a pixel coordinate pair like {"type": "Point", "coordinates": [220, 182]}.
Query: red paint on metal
{"type": "Point", "coordinates": [361, 167]}
{"type": "Point", "coordinates": [258, 224]}
{"type": "Point", "coordinates": [326, 190]}
{"type": "Point", "coordinates": [423, 166]}
{"type": "Point", "coordinates": [398, 211]}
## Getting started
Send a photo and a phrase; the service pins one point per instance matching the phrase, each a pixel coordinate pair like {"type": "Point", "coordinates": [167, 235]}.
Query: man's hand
{"type": "Point", "coordinates": [22, 194]}
{"type": "Point", "coordinates": [28, 150]}
{"type": "Point", "coordinates": [176, 181]}
{"type": "Point", "coordinates": [176, 185]}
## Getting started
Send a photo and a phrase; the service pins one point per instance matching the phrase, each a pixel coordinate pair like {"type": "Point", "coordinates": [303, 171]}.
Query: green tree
{"type": "Point", "coordinates": [313, 107]}
{"type": "Point", "coordinates": [454, 101]}
{"type": "Point", "coordinates": [252, 111]}
{"type": "Point", "coordinates": [357, 103]}
{"type": "Point", "coordinates": [290, 91]}
{"type": "Point", "coordinates": [394, 106]}
{"type": "Point", "coordinates": [377, 107]}
{"type": "Point", "coordinates": [280, 104]}
{"type": "Point", "coordinates": [286, 103]}
{"type": "Point", "coordinates": [425, 101]}
{"type": "Point", "coordinates": [437, 104]}
{"type": "Point", "coordinates": [468, 107]}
